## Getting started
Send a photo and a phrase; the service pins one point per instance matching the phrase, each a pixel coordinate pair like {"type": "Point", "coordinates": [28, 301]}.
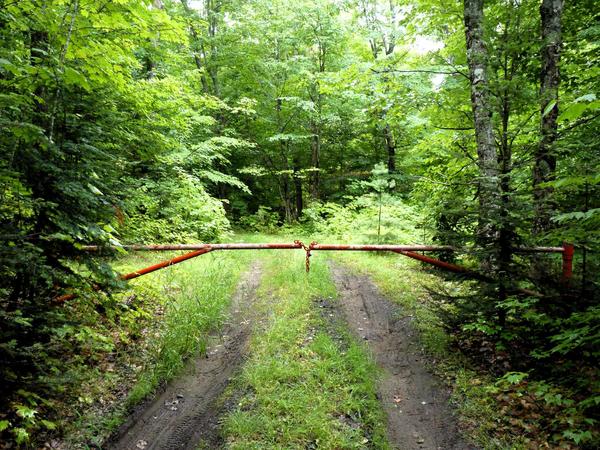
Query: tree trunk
{"type": "Point", "coordinates": [298, 188]}
{"type": "Point", "coordinates": [477, 59]}
{"type": "Point", "coordinates": [149, 63]}
{"type": "Point", "coordinates": [212, 10]}
{"type": "Point", "coordinates": [383, 44]}
{"type": "Point", "coordinates": [196, 39]}
{"type": "Point", "coordinates": [388, 134]}
{"type": "Point", "coordinates": [545, 158]}
{"type": "Point", "coordinates": [390, 43]}
{"type": "Point", "coordinates": [315, 161]}
{"type": "Point", "coordinates": [287, 202]}
{"type": "Point", "coordinates": [390, 145]}
{"type": "Point", "coordinates": [506, 228]}
{"type": "Point", "coordinates": [317, 98]}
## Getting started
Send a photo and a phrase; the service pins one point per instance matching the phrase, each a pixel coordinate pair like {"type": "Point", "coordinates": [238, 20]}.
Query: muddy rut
{"type": "Point", "coordinates": [415, 402]}
{"type": "Point", "coordinates": [186, 415]}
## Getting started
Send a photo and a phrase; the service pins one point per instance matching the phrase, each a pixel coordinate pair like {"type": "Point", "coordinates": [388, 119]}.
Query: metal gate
{"type": "Point", "coordinates": [567, 251]}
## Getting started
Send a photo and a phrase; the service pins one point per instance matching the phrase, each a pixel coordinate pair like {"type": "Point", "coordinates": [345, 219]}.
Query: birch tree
{"type": "Point", "coordinates": [545, 157]}
{"type": "Point", "coordinates": [487, 155]}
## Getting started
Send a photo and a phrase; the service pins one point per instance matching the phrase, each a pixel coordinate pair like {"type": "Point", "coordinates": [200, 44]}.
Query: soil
{"type": "Point", "coordinates": [415, 401]}
{"type": "Point", "coordinates": [186, 415]}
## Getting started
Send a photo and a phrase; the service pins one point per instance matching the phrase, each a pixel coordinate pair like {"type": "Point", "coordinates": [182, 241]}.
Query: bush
{"type": "Point", "coordinates": [173, 210]}
{"type": "Point", "coordinates": [263, 221]}
{"type": "Point", "coordinates": [359, 220]}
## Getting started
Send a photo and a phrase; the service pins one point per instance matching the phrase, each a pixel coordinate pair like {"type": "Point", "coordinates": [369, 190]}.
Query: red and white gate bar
{"type": "Point", "coordinates": [567, 251]}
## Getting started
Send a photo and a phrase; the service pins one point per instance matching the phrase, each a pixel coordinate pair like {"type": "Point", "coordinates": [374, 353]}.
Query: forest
{"type": "Point", "coordinates": [471, 124]}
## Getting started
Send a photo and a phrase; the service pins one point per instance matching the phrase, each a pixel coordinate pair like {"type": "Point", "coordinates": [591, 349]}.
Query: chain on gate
{"type": "Point", "coordinates": [307, 249]}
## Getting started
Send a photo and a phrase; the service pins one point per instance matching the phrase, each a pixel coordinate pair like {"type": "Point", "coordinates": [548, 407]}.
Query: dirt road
{"type": "Point", "coordinates": [415, 402]}
{"type": "Point", "coordinates": [186, 414]}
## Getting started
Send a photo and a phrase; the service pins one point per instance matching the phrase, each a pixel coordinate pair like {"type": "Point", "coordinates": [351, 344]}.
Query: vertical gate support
{"type": "Point", "coordinates": [567, 262]}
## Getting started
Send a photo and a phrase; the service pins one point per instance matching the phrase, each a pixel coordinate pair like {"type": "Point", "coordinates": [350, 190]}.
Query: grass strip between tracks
{"type": "Point", "coordinates": [303, 387]}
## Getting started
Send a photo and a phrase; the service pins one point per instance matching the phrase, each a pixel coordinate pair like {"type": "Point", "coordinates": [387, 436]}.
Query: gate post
{"type": "Point", "coordinates": [567, 262]}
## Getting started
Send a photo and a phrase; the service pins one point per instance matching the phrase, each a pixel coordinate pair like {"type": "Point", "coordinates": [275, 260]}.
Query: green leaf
{"type": "Point", "coordinates": [109, 228]}
{"type": "Point", "coordinates": [577, 436]}
{"type": "Point", "coordinates": [580, 106]}
{"type": "Point", "coordinates": [25, 412]}
{"type": "Point", "coordinates": [574, 111]}
{"type": "Point", "coordinates": [515, 377]}
{"type": "Point", "coordinates": [60, 237]}
{"type": "Point", "coordinates": [48, 424]}
{"type": "Point", "coordinates": [586, 98]}
{"type": "Point", "coordinates": [94, 189]}
{"type": "Point", "coordinates": [21, 435]}
{"type": "Point", "coordinates": [74, 77]}
{"type": "Point", "coordinates": [4, 424]}
{"type": "Point", "coordinates": [548, 108]}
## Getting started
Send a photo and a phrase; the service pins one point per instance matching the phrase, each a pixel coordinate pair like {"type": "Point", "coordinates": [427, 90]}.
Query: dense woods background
{"type": "Point", "coordinates": [473, 124]}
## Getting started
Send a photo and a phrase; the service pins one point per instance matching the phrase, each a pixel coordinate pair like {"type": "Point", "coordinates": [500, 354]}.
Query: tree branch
{"type": "Point", "coordinates": [439, 72]}
{"type": "Point", "coordinates": [579, 122]}
{"type": "Point", "coordinates": [454, 128]}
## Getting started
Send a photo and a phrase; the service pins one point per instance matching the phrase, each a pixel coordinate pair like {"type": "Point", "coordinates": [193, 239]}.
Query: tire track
{"type": "Point", "coordinates": [415, 402]}
{"type": "Point", "coordinates": [186, 415]}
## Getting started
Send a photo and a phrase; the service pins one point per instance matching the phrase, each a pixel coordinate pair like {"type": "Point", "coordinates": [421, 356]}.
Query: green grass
{"type": "Point", "coordinates": [196, 295]}
{"type": "Point", "coordinates": [303, 388]}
